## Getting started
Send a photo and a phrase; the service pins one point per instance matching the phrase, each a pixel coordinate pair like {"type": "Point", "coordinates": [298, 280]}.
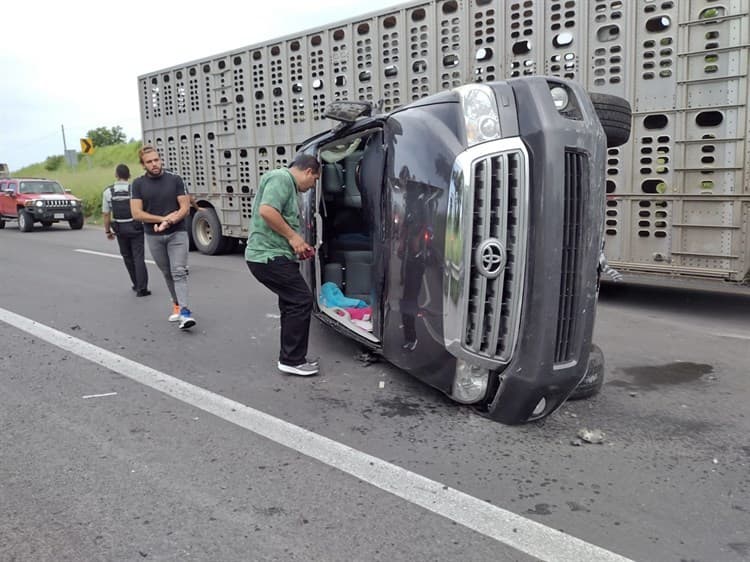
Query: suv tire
{"type": "Point", "coordinates": [25, 221]}
{"type": "Point", "coordinates": [2, 224]}
{"type": "Point", "coordinates": [76, 223]}
{"type": "Point", "coordinates": [615, 116]}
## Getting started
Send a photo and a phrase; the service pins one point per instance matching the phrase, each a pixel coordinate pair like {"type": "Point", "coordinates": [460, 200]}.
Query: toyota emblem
{"type": "Point", "coordinates": [490, 258]}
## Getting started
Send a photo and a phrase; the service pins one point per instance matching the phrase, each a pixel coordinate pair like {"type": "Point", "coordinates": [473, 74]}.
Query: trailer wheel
{"type": "Point", "coordinates": [592, 381]}
{"type": "Point", "coordinates": [615, 116]}
{"type": "Point", "coordinates": [207, 235]}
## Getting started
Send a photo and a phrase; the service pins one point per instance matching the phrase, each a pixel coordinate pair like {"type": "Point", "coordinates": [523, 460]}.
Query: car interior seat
{"type": "Point", "coordinates": [352, 195]}
{"type": "Point", "coordinates": [333, 180]}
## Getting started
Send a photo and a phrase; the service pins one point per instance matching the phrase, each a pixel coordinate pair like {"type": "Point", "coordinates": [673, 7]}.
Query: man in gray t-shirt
{"type": "Point", "coordinates": [162, 203]}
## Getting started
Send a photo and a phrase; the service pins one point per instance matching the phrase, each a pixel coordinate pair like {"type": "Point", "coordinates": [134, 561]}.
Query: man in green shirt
{"type": "Point", "coordinates": [274, 247]}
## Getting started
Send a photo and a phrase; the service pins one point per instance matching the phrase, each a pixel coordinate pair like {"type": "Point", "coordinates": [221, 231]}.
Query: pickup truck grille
{"type": "Point", "coordinates": [576, 167]}
{"type": "Point", "coordinates": [497, 244]}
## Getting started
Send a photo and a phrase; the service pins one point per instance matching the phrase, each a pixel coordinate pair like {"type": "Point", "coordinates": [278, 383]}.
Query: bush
{"type": "Point", "coordinates": [92, 205]}
{"type": "Point", "coordinates": [53, 163]}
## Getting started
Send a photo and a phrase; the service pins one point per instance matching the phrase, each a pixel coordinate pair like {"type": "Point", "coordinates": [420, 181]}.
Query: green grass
{"type": "Point", "coordinates": [91, 175]}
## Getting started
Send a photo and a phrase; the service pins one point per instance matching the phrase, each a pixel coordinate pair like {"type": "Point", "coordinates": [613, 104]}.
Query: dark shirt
{"type": "Point", "coordinates": [159, 196]}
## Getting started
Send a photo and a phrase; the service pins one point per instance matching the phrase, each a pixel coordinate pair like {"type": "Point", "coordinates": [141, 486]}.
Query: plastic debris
{"type": "Point", "coordinates": [595, 436]}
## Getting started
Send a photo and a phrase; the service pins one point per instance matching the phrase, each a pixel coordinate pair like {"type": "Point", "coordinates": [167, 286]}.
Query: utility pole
{"type": "Point", "coordinates": [69, 156]}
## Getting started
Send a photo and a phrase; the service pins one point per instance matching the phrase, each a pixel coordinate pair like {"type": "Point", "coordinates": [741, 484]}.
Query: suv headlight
{"type": "Point", "coordinates": [480, 113]}
{"type": "Point", "coordinates": [470, 382]}
{"type": "Point", "coordinates": [74, 203]}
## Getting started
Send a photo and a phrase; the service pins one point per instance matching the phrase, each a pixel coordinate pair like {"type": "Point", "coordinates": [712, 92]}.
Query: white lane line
{"type": "Point", "coordinates": [116, 256]}
{"type": "Point", "coordinates": [730, 335]}
{"type": "Point", "coordinates": [518, 532]}
{"type": "Point", "coordinates": [99, 395]}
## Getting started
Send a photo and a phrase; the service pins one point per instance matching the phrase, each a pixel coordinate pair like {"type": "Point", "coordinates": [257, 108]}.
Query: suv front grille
{"type": "Point", "coordinates": [576, 167]}
{"type": "Point", "coordinates": [58, 203]}
{"type": "Point", "coordinates": [495, 262]}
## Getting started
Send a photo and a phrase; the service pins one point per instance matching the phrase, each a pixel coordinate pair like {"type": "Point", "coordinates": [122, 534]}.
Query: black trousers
{"type": "Point", "coordinates": [282, 276]}
{"type": "Point", "coordinates": [130, 240]}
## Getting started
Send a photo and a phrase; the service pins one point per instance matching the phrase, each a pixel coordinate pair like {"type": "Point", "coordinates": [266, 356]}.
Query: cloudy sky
{"type": "Point", "coordinates": [75, 65]}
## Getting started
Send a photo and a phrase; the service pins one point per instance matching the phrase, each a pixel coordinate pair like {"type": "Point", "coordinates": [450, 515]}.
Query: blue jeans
{"type": "Point", "coordinates": [170, 252]}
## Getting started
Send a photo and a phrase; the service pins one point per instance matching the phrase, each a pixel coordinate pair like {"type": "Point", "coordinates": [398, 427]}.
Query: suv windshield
{"type": "Point", "coordinates": [40, 186]}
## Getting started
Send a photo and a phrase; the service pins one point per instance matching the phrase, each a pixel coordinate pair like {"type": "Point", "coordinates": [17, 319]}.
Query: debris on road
{"type": "Point", "coordinates": [367, 358]}
{"type": "Point", "coordinates": [595, 436]}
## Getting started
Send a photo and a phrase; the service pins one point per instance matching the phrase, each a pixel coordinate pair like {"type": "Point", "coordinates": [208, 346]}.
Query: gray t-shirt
{"type": "Point", "coordinates": [159, 196]}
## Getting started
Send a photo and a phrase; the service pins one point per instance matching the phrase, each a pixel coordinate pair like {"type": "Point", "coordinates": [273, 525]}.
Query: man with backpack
{"type": "Point", "coordinates": [119, 222]}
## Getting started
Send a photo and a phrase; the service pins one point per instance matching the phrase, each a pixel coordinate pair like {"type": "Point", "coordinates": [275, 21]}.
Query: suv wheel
{"type": "Point", "coordinates": [615, 115]}
{"type": "Point", "coordinates": [76, 223]}
{"type": "Point", "coordinates": [2, 223]}
{"type": "Point", "coordinates": [25, 221]}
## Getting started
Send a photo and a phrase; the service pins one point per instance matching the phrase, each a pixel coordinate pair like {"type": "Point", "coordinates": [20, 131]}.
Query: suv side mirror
{"type": "Point", "coordinates": [68, 191]}
{"type": "Point", "coordinates": [10, 191]}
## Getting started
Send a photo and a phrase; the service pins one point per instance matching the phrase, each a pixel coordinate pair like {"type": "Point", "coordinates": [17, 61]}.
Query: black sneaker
{"type": "Point", "coordinates": [143, 293]}
{"type": "Point", "coordinates": [303, 370]}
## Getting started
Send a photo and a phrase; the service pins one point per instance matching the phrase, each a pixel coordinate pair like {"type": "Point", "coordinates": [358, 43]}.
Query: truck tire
{"type": "Point", "coordinates": [615, 116]}
{"type": "Point", "coordinates": [207, 235]}
{"type": "Point", "coordinates": [25, 221]}
{"type": "Point", "coordinates": [2, 224]}
{"type": "Point", "coordinates": [76, 223]}
{"type": "Point", "coordinates": [592, 381]}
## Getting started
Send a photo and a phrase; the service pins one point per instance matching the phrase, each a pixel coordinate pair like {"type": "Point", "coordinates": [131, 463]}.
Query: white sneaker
{"type": "Point", "coordinates": [186, 319]}
{"type": "Point", "coordinates": [304, 370]}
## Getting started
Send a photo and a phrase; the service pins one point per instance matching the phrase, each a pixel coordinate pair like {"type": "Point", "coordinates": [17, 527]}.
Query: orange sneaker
{"type": "Point", "coordinates": [175, 316]}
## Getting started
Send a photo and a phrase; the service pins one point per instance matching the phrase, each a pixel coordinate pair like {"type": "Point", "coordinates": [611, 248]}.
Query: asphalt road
{"type": "Point", "coordinates": [157, 448]}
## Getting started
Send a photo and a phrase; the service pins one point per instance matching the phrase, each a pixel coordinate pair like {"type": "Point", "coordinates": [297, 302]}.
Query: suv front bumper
{"type": "Point", "coordinates": [53, 214]}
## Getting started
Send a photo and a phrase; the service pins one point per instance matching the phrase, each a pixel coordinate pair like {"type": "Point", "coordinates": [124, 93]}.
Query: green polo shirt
{"type": "Point", "coordinates": [278, 190]}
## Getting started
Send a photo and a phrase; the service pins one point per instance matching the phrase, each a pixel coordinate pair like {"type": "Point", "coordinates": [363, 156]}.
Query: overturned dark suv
{"type": "Point", "coordinates": [470, 225]}
{"type": "Point", "coordinates": [30, 200]}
